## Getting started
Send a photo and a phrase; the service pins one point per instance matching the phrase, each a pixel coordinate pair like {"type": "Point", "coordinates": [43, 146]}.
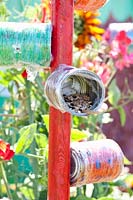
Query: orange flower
{"type": "Point", "coordinates": [86, 25]}
{"type": "Point", "coordinates": [5, 152]}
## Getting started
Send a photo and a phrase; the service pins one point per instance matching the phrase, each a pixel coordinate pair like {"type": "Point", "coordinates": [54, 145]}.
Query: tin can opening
{"type": "Point", "coordinates": [76, 91]}
{"type": "Point", "coordinates": [74, 167]}
{"type": "Point", "coordinates": [81, 94]}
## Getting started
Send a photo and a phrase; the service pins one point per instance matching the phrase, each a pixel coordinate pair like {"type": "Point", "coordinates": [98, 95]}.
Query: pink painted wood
{"type": "Point", "coordinates": [60, 124]}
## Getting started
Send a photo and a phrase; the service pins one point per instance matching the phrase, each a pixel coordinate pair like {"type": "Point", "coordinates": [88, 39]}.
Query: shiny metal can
{"type": "Point", "coordinates": [95, 161]}
{"type": "Point", "coordinates": [77, 91]}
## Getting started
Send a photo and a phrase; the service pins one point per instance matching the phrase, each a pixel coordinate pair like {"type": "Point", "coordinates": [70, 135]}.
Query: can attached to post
{"type": "Point", "coordinates": [77, 91]}
{"type": "Point", "coordinates": [25, 44]}
{"type": "Point", "coordinates": [95, 161]}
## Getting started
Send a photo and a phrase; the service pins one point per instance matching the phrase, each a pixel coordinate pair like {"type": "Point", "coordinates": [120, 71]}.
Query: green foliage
{"type": "Point", "coordinates": [25, 125]}
{"type": "Point", "coordinates": [127, 162]}
{"type": "Point", "coordinates": [28, 192]}
{"type": "Point", "coordinates": [31, 12]}
{"type": "Point", "coordinates": [26, 138]}
{"type": "Point", "coordinates": [46, 121]}
{"type": "Point", "coordinates": [114, 93]}
{"type": "Point", "coordinates": [106, 198]}
{"type": "Point", "coordinates": [41, 140]}
{"type": "Point", "coordinates": [122, 115]}
{"type": "Point", "coordinates": [101, 190]}
{"type": "Point", "coordinates": [77, 135]}
{"type": "Point", "coordinates": [27, 133]}
{"type": "Point", "coordinates": [4, 12]}
{"type": "Point", "coordinates": [82, 197]}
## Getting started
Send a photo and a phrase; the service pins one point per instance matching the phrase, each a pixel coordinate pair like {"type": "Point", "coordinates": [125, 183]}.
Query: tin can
{"type": "Point", "coordinates": [25, 44]}
{"type": "Point", "coordinates": [95, 161]}
{"type": "Point", "coordinates": [77, 91]}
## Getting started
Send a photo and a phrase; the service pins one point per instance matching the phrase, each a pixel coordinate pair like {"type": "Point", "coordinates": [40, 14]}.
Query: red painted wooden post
{"type": "Point", "coordinates": [60, 124]}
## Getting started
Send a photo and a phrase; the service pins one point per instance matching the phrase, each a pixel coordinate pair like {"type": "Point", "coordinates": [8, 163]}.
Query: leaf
{"type": "Point", "coordinates": [72, 198]}
{"type": "Point", "coordinates": [27, 192]}
{"type": "Point", "coordinates": [43, 195]}
{"type": "Point", "coordinates": [46, 121]}
{"type": "Point", "coordinates": [127, 162]}
{"type": "Point", "coordinates": [41, 140]}
{"type": "Point", "coordinates": [3, 80]}
{"type": "Point", "coordinates": [122, 114]}
{"type": "Point", "coordinates": [26, 137]}
{"type": "Point", "coordinates": [77, 56]}
{"type": "Point", "coordinates": [114, 93]}
{"type": "Point", "coordinates": [106, 198]}
{"type": "Point", "coordinates": [77, 135]}
{"type": "Point", "coordinates": [82, 197]}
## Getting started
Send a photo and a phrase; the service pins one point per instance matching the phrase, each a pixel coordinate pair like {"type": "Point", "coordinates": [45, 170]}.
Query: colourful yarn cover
{"type": "Point", "coordinates": [25, 44]}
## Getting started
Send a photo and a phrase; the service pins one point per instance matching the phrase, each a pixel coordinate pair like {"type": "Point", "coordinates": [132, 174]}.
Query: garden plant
{"type": "Point", "coordinates": [24, 112]}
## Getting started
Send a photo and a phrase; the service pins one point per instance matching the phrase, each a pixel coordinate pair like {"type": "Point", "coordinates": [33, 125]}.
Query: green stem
{"type": "Point", "coordinates": [5, 181]}
{"type": "Point", "coordinates": [28, 93]}
{"type": "Point", "coordinates": [110, 79]}
{"type": "Point", "coordinates": [95, 191]}
{"type": "Point", "coordinates": [79, 191]}
{"type": "Point", "coordinates": [116, 107]}
{"type": "Point", "coordinates": [33, 146]}
{"type": "Point", "coordinates": [32, 156]}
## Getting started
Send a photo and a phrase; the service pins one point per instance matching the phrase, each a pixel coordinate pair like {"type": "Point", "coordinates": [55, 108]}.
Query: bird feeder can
{"type": "Point", "coordinates": [23, 44]}
{"type": "Point", "coordinates": [88, 5]}
{"type": "Point", "coordinates": [77, 91]}
{"type": "Point", "coordinates": [95, 161]}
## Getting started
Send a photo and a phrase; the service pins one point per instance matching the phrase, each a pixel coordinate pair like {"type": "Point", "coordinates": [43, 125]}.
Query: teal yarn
{"type": "Point", "coordinates": [25, 44]}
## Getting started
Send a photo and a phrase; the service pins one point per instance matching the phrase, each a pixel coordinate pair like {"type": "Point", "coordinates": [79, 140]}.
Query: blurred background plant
{"type": "Point", "coordinates": [4, 12]}
{"type": "Point", "coordinates": [24, 112]}
{"type": "Point", "coordinates": [86, 25]}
